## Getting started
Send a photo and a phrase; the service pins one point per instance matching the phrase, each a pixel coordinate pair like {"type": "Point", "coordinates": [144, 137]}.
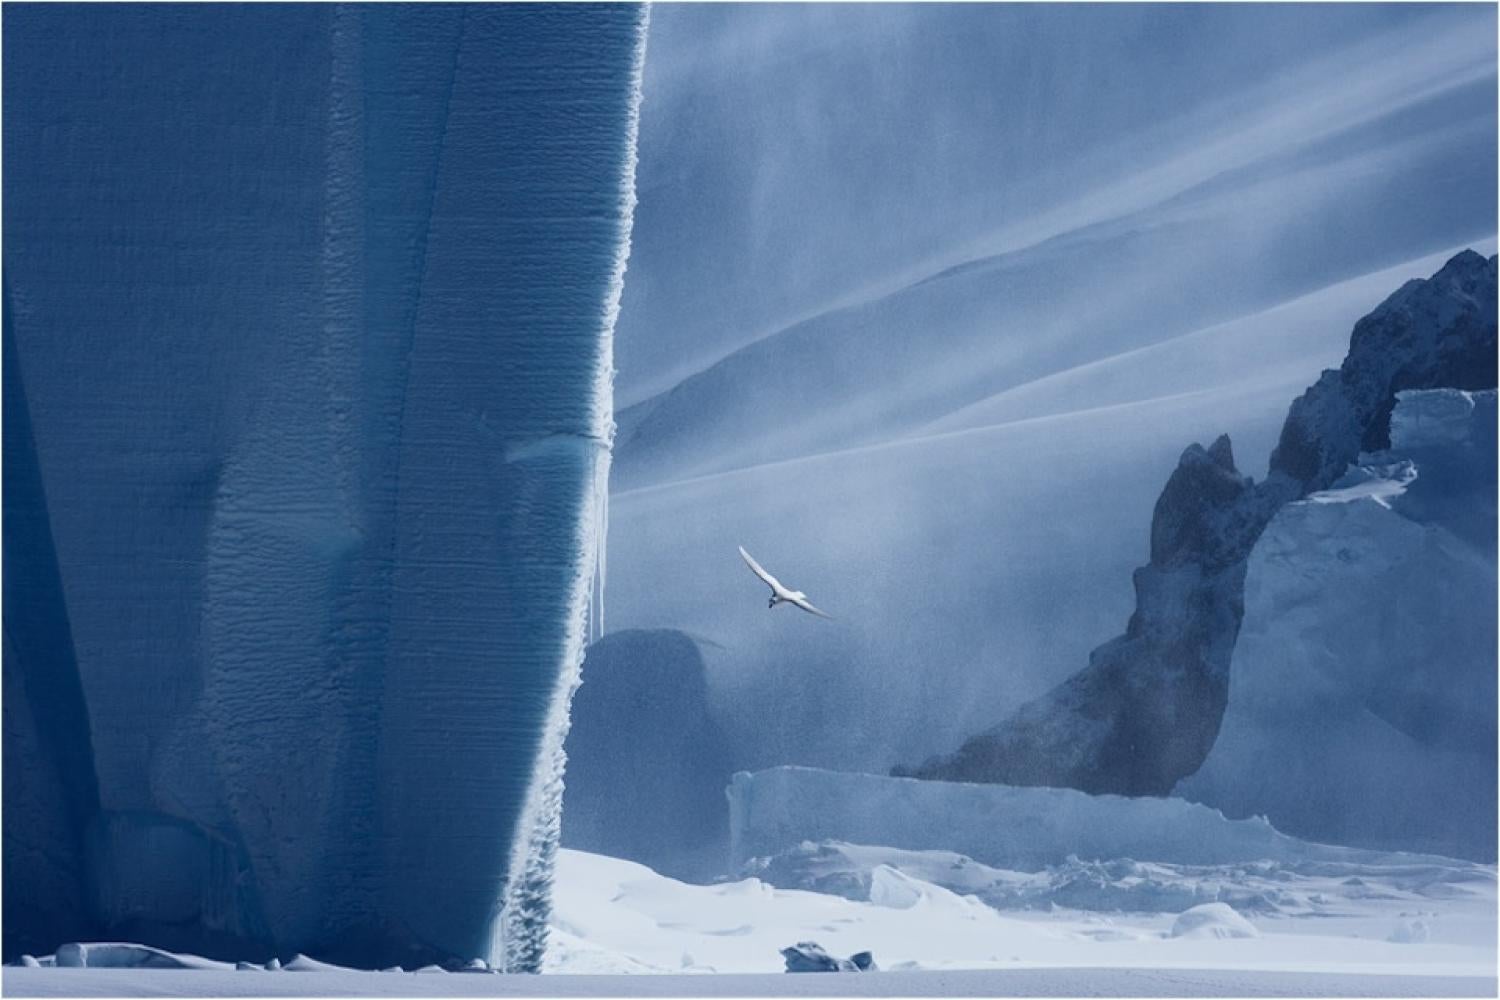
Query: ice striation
{"type": "Point", "coordinates": [1146, 711]}
{"type": "Point", "coordinates": [314, 310]}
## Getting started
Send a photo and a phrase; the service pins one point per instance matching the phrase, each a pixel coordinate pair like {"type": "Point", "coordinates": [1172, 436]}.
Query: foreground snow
{"type": "Point", "coordinates": [615, 916]}
{"type": "Point", "coordinates": [1006, 982]}
{"type": "Point", "coordinates": [1417, 930]}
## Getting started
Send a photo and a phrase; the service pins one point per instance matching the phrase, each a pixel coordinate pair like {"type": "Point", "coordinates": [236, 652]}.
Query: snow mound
{"type": "Point", "coordinates": [1409, 932]}
{"type": "Point", "coordinates": [893, 888]}
{"type": "Point", "coordinates": [1214, 920]}
{"type": "Point", "coordinates": [303, 963]}
{"type": "Point", "coordinates": [124, 955]}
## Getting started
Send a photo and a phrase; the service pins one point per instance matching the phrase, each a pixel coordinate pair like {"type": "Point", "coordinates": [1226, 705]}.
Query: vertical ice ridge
{"type": "Point", "coordinates": [520, 936]}
{"type": "Point", "coordinates": [604, 394]}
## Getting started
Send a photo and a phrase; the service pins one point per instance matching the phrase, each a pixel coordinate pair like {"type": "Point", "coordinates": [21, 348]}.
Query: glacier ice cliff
{"type": "Point", "coordinates": [647, 761]}
{"type": "Point", "coordinates": [304, 495]}
{"type": "Point", "coordinates": [1362, 688]}
{"type": "Point", "coordinates": [1147, 709]}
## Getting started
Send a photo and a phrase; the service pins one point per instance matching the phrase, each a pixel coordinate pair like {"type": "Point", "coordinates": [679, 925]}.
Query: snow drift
{"type": "Point", "coordinates": [314, 307]}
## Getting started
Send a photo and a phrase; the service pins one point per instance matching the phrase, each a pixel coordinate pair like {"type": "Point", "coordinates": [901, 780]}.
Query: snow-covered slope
{"type": "Point", "coordinates": [1362, 689]}
{"type": "Point", "coordinates": [313, 306]}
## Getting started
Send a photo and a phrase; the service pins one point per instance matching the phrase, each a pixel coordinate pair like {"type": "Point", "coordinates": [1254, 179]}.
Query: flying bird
{"type": "Point", "coordinates": [779, 593]}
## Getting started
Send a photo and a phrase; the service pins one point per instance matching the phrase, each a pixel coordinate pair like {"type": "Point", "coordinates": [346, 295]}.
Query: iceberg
{"type": "Point", "coordinates": [314, 309]}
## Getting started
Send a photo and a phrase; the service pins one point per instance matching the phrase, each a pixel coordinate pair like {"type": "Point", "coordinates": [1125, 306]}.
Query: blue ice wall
{"type": "Point", "coordinates": [314, 305]}
{"type": "Point", "coordinates": [50, 791]}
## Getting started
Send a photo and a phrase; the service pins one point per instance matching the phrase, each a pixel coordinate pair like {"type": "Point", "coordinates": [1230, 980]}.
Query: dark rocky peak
{"type": "Point", "coordinates": [1189, 514]}
{"type": "Point", "coordinates": [1432, 333]}
{"type": "Point", "coordinates": [1146, 710]}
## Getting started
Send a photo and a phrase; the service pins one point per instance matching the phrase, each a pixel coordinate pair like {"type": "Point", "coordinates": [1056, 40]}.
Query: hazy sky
{"type": "Point", "coordinates": [941, 293]}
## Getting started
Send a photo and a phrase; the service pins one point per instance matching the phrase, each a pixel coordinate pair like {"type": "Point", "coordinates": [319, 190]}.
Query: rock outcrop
{"type": "Point", "coordinates": [809, 956]}
{"type": "Point", "coordinates": [1147, 709]}
{"type": "Point", "coordinates": [1362, 689]}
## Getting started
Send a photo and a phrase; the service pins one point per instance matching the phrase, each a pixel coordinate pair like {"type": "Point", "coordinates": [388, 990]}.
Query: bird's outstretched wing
{"type": "Point", "coordinates": [755, 568]}
{"type": "Point", "coordinates": [805, 605]}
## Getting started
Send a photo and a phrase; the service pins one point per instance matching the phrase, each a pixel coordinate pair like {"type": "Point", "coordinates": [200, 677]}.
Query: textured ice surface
{"type": "Point", "coordinates": [1317, 889]}
{"type": "Point", "coordinates": [314, 307]}
{"type": "Point", "coordinates": [1362, 689]}
{"type": "Point", "coordinates": [613, 916]}
{"type": "Point", "coordinates": [1003, 826]}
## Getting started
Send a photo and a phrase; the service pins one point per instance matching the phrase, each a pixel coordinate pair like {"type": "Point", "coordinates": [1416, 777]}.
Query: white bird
{"type": "Point", "coordinates": [779, 593]}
